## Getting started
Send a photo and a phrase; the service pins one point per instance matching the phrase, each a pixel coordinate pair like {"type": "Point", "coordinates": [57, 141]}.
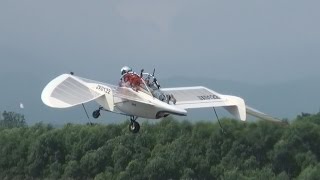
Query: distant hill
{"type": "Point", "coordinates": [284, 100]}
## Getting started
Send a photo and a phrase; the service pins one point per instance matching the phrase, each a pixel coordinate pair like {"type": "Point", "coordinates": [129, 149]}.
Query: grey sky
{"type": "Point", "coordinates": [250, 41]}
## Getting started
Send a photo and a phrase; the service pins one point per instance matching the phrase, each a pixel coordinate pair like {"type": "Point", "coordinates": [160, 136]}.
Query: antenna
{"type": "Point", "coordinates": [154, 70]}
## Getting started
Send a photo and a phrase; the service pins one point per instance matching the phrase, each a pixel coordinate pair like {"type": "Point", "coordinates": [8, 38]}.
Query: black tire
{"type": "Point", "coordinates": [96, 114]}
{"type": "Point", "coordinates": [134, 127]}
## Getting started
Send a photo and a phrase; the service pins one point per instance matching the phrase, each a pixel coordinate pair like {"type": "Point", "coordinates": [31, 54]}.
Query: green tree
{"type": "Point", "coordinates": [310, 173]}
{"type": "Point", "coordinates": [12, 119]}
{"type": "Point", "coordinates": [166, 150]}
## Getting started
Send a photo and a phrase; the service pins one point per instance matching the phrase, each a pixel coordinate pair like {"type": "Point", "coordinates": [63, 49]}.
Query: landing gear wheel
{"type": "Point", "coordinates": [134, 127]}
{"type": "Point", "coordinates": [96, 113]}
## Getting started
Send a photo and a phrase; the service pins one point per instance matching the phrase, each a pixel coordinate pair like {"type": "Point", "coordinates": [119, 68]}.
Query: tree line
{"type": "Point", "coordinates": [169, 149]}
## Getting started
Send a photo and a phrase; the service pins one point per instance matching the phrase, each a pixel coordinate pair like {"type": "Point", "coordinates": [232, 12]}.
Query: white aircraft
{"type": "Point", "coordinates": [140, 95]}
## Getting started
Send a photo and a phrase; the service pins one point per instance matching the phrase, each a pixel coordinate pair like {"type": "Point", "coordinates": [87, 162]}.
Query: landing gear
{"type": "Point", "coordinates": [134, 126]}
{"type": "Point", "coordinates": [96, 113]}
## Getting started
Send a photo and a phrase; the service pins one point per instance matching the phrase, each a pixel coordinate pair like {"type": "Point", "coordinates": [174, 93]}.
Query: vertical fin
{"type": "Point", "coordinates": [238, 109]}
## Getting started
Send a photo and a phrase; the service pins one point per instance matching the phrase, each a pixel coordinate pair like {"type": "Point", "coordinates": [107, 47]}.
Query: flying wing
{"type": "Point", "coordinates": [202, 97]}
{"type": "Point", "coordinates": [67, 90]}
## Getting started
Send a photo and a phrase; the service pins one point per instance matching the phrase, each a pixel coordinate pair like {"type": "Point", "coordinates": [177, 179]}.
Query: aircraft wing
{"type": "Point", "coordinates": [202, 97]}
{"type": "Point", "coordinates": [67, 90]}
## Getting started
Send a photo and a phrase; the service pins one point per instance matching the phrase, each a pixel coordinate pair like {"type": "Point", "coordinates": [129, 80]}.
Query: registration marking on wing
{"type": "Point", "coordinates": [192, 94]}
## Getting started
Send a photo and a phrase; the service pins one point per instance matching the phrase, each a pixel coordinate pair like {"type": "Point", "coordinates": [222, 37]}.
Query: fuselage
{"type": "Point", "coordinates": [142, 104]}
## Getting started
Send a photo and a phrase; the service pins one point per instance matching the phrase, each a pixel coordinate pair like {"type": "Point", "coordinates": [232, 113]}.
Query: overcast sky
{"type": "Point", "coordinates": [247, 41]}
{"type": "Point", "coordinates": [250, 41]}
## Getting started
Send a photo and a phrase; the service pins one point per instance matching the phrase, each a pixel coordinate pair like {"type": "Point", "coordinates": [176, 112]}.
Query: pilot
{"type": "Point", "coordinates": [132, 78]}
{"type": "Point", "coordinates": [125, 69]}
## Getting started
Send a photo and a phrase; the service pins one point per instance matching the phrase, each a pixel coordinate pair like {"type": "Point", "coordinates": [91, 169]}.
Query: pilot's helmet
{"type": "Point", "coordinates": [125, 69]}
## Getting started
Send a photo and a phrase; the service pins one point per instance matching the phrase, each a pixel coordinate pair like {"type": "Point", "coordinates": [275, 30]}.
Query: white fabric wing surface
{"type": "Point", "coordinates": [196, 97]}
{"type": "Point", "coordinates": [67, 90]}
{"type": "Point", "coordinates": [202, 97]}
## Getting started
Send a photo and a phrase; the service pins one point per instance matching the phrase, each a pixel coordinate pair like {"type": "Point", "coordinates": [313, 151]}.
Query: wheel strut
{"type": "Point", "coordinates": [222, 129]}
{"type": "Point", "coordinates": [134, 126]}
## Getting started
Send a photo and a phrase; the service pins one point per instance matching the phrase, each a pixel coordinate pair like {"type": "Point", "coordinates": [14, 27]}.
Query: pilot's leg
{"type": "Point", "coordinates": [173, 99]}
{"type": "Point", "coordinates": [168, 98]}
